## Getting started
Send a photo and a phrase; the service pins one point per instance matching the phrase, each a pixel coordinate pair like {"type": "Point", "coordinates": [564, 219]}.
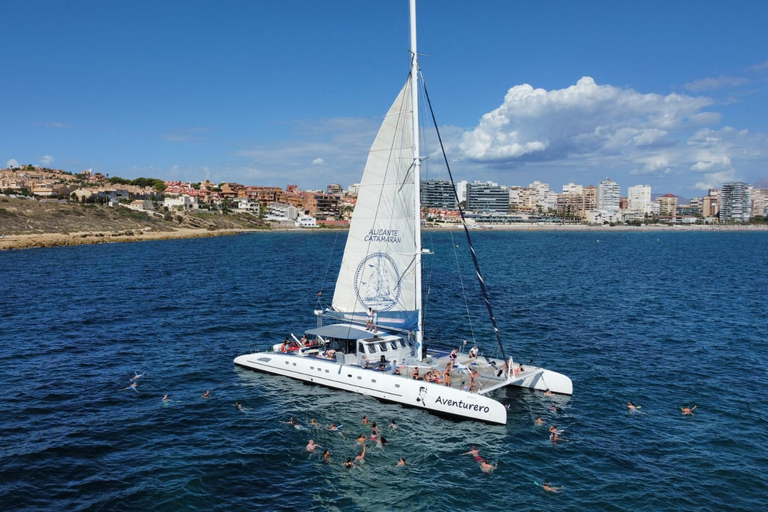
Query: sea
{"type": "Point", "coordinates": [662, 319]}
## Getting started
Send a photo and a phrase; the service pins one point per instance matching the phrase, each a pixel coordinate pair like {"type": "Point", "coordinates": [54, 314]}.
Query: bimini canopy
{"type": "Point", "coordinates": [340, 332]}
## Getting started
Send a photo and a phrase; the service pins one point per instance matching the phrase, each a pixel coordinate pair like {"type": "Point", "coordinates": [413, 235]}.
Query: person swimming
{"type": "Point", "coordinates": [688, 410]}
{"type": "Point", "coordinates": [486, 466]}
{"type": "Point", "coordinates": [311, 446]}
{"type": "Point", "coordinates": [401, 462]}
{"type": "Point", "coordinates": [207, 394]}
{"type": "Point", "coordinates": [137, 376]}
{"type": "Point", "coordinates": [475, 453]}
{"type": "Point", "coordinates": [539, 421]}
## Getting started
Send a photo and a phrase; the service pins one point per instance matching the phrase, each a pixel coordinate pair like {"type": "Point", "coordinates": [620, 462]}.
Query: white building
{"type": "Point", "coordinates": [180, 201]}
{"type": "Point", "coordinates": [281, 212]}
{"type": "Point", "coordinates": [461, 191]}
{"type": "Point", "coordinates": [608, 197]}
{"type": "Point", "coordinates": [639, 200]}
{"type": "Point", "coordinates": [305, 221]}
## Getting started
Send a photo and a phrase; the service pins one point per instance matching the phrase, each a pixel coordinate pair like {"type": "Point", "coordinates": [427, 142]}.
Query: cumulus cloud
{"type": "Point", "coordinates": [539, 125]}
{"type": "Point", "coordinates": [318, 161]}
{"type": "Point", "coordinates": [46, 160]}
{"type": "Point", "coordinates": [12, 163]}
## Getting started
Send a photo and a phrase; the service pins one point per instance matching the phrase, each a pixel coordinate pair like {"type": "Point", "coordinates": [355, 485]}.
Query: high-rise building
{"type": "Point", "coordinates": [667, 205]}
{"type": "Point", "coordinates": [735, 202]}
{"type": "Point", "coordinates": [438, 194]}
{"type": "Point", "coordinates": [639, 200]}
{"type": "Point", "coordinates": [608, 196]}
{"type": "Point", "coordinates": [487, 197]}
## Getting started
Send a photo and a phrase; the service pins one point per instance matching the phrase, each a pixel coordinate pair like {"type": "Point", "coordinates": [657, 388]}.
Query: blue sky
{"type": "Point", "coordinates": [668, 94]}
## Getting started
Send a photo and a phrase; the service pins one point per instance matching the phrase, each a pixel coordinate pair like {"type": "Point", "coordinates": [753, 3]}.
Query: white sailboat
{"type": "Point", "coordinates": [380, 274]}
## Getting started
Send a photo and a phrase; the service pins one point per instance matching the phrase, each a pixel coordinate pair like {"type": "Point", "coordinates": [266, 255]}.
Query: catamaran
{"type": "Point", "coordinates": [371, 340]}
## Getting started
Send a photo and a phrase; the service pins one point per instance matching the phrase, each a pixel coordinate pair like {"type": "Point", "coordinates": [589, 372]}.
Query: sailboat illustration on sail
{"type": "Point", "coordinates": [381, 270]}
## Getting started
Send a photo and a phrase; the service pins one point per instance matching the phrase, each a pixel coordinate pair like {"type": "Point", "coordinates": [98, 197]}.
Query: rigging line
{"type": "Point", "coordinates": [463, 290]}
{"type": "Point", "coordinates": [466, 228]}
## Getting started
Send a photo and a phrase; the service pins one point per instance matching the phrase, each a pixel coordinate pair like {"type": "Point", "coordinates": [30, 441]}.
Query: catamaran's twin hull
{"type": "Point", "coordinates": [435, 398]}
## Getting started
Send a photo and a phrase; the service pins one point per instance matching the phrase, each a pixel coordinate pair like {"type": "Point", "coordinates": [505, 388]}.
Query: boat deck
{"type": "Point", "coordinates": [490, 373]}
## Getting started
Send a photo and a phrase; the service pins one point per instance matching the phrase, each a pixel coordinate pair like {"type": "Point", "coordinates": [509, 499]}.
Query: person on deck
{"type": "Point", "coordinates": [369, 320]}
{"type": "Point", "coordinates": [375, 322]}
{"type": "Point", "coordinates": [473, 352]}
{"type": "Point", "coordinates": [415, 374]}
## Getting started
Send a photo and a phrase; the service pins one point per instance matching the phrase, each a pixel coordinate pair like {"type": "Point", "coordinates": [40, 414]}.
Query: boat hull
{"type": "Point", "coordinates": [435, 398]}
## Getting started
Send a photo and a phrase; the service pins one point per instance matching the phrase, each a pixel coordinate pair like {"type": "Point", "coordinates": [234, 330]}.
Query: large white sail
{"type": "Point", "coordinates": [378, 270]}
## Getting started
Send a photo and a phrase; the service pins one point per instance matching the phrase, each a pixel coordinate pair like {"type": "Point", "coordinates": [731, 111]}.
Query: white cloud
{"type": "Point", "coordinates": [318, 161]}
{"type": "Point", "coordinates": [46, 160]}
{"type": "Point", "coordinates": [538, 125]}
{"type": "Point", "coordinates": [12, 163]}
{"type": "Point", "coordinates": [714, 83]}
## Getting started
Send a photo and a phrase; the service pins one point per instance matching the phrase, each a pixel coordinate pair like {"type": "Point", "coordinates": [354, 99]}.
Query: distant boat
{"type": "Point", "coordinates": [383, 355]}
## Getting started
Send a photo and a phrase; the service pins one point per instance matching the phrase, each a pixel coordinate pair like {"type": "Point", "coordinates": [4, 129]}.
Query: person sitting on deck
{"type": "Point", "coordinates": [473, 352]}
{"type": "Point", "coordinates": [395, 369]}
{"type": "Point", "coordinates": [382, 363]}
{"type": "Point", "coordinates": [286, 344]}
{"type": "Point", "coordinates": [365, 361]}
{"type": "Point", "coordinates": [304, 342]}
{"type": "Point", "coordinates": [415, 374]}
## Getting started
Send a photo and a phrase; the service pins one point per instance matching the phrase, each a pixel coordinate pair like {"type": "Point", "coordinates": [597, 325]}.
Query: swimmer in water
{"type": "Point", "coordinates": [393, 424]}
{"type": "Point", "coordinates": [207, 394]}
{"type": "Point", "coordinates": [361, 438]}
{"type": "Point", "coordinates": [348, 463]}
{"type": "Point", "coordinates": [165, 398]}
{"type": "Point", "coordinates": [238, 406]}
{"type": "Point", "coordinates": [553, 407]}
{"type": "Point", "coordinates": [133, 386]}
{"type": "Point", "coordinates": [539, 421]}
{"type": "Point", "coordinates": [547, 392]}
{"type": "Point", "coordinates": [327, 455]}
{"type": "Point", "coordinates": [401, 462]}
{"type": "Point", "coordinates": [688, 410]}
{"type": "Point", "coordinates": [631, 406]}
{"type": "Point", "coordinates": [474, 452]}
{"type": "Point", "coordinates": [137, 376]}
{"type": "Point", "coordinates": [365, 419]}
{"type": "Point", "coordinates": [361, 456]}
{"type": "Point", "coordinates": [333, 428]}
{"type": "Point", "coordinates": [487, 467]}
{"type": "Point", "coordinates": [311, 446]}
{"type": "Point", "coordinates": [547, 487]}
{"type": "Point", "coordinates": [314, 423]}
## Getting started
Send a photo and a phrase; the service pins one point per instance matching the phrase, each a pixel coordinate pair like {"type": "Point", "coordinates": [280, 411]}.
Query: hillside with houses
{"type": "Point", "coordinates": [41, 200]}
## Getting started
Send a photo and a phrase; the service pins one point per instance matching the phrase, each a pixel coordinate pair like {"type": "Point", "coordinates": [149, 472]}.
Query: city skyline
{"type": "Point", "coordinates": [669, 95]}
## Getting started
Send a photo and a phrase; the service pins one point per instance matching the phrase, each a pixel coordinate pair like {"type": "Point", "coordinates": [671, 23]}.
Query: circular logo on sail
{"type": "Point", "coordinates": [377, 282]}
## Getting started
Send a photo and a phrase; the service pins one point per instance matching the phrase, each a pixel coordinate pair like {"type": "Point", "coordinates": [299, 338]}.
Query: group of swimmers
{"type": "Point", "coordinates": [361, 440]}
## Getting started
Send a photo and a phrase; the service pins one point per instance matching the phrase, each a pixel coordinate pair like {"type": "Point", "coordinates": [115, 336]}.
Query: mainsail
{"type": "Point", "coordinates": [379, 267]}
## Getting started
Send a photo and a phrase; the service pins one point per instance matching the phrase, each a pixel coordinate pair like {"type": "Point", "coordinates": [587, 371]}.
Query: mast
{"type": "Point", "coordinates": [416, 175]}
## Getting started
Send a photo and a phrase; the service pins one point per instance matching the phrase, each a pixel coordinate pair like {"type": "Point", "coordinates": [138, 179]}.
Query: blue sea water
{"type": "Point", "coordinates": [662, 319]}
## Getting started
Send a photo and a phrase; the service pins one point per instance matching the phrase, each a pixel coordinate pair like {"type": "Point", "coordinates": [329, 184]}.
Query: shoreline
{"type": "Point", "coordinates": [42, 240]}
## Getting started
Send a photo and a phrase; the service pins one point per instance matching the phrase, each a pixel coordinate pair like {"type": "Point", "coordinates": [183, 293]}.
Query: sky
{"type": "Point", "coordinates": [668, 94]}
